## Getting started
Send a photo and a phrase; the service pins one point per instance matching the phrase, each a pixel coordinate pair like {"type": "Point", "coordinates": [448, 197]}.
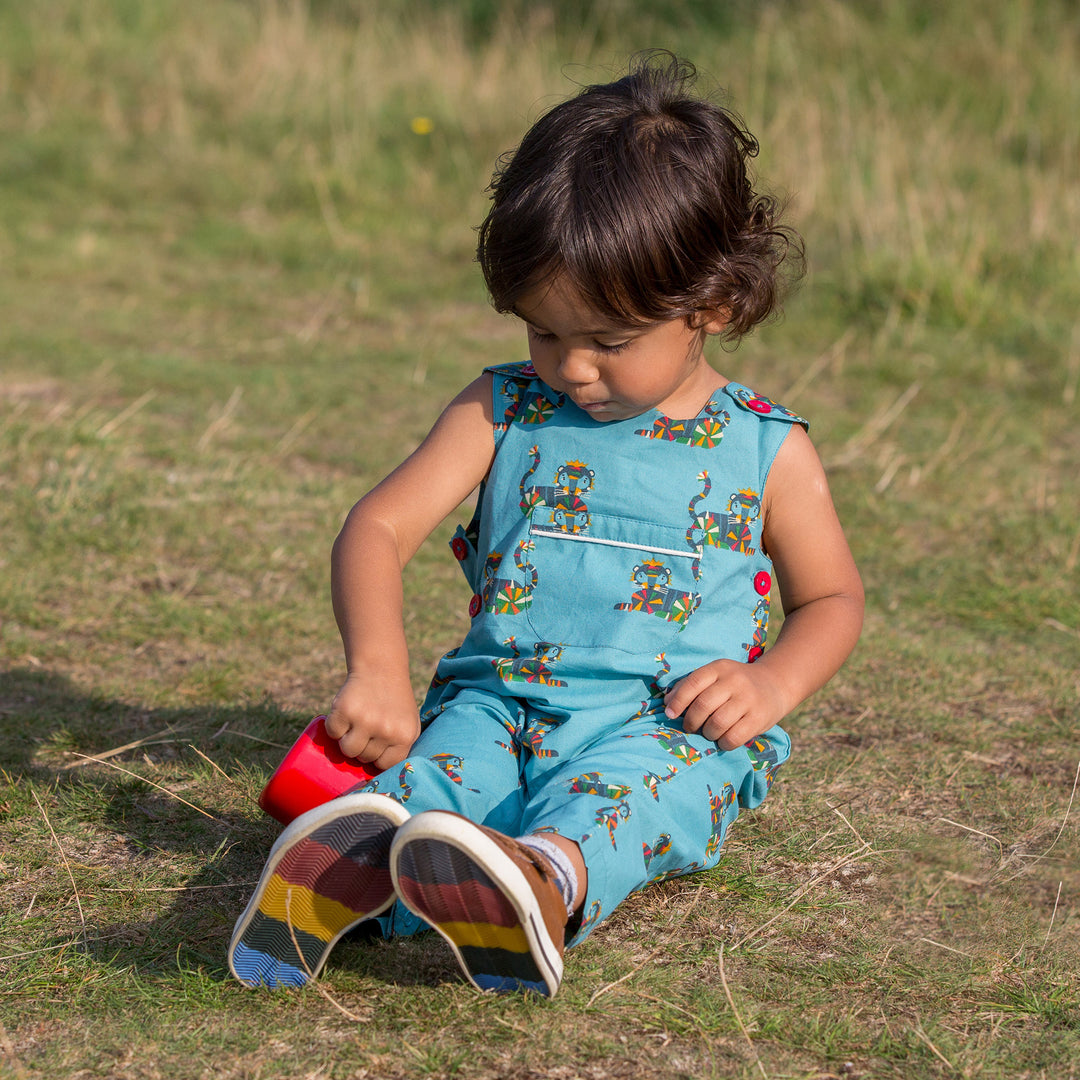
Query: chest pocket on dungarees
{"type": "Point", "coordinates": [606, 581]}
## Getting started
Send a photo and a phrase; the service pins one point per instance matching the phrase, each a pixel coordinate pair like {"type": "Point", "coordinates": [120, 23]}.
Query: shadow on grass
{"type": "Point", "coordinates": [166, 832]}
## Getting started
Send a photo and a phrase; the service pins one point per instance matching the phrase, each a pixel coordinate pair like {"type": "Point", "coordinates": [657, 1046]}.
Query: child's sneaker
{"type": "Point", "coordinates": [493, 899]}
{"type": "Point", "coordinates": [328, 871]}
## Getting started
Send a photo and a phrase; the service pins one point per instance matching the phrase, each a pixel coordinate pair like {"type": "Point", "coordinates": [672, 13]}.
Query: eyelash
{"type": "Point", "coordinates": [612, 350]}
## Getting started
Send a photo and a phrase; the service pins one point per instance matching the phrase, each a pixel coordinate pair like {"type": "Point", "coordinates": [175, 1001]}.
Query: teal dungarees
{"type": "Point", "coordinates": [607, 560]}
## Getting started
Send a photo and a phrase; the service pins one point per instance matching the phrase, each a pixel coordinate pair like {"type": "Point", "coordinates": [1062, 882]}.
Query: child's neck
{"type": "Point", "coordinates": [695, 395]}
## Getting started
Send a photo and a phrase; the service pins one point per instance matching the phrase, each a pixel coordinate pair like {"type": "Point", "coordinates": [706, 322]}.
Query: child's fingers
{"type": "Point", "coordinates": [371, 748]}
{"type": "Point", "coordinates": [707, 684]}
{"type": "Point", "coordinates": [682, 694]}
{"type": "Point", "coordinates": [354, 738]}
{"type": "Point", "coordinates": [716, 701]}
{"type": "Point", "coordinates": [336, 725]}
{"type": "Point", "coordinates": [712, 715]}
{"type": "Point", "coordinates": [713, 706]}
{"type": "Point", "coordinates": [729, 732]}
{"type": "Point", "coordinates": [391, 756]}
{"type": "Point", "coordinates": [356, 744]}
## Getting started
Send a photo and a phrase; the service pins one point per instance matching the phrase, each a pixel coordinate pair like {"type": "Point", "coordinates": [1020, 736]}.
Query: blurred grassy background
{"type": "Point", "coordinates": [236, 286]}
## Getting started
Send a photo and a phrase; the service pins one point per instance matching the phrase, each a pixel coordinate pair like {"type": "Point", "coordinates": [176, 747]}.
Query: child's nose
{"type": "Point", "coordinates": [578, 366]}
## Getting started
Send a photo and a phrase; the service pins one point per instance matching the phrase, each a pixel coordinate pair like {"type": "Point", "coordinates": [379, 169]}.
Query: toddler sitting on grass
{"type": "Point", "coordinates": [613, 705]}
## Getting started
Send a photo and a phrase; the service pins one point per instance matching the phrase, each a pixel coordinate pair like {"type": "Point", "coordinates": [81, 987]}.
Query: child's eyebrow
{"type": "Point", "coordinates": [607, 331]}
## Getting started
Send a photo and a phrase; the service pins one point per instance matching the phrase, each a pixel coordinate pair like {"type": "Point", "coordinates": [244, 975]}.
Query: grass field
{"type": "Point", "coordinates": [236, 286]}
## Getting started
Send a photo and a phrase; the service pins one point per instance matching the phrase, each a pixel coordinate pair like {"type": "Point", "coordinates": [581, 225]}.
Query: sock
{"type": "Point", "coordinates": [565, 874]}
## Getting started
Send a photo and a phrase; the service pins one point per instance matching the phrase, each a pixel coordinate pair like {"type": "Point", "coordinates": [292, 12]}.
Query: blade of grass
{"type": "Point", "coordinates": [145, 780]}
{"type": "Point", "coordinates": [150, 740]}
{"type": "Point", "coordinates": [738, 1018]}
{"type": "Point", "coordinates": [64, 860]}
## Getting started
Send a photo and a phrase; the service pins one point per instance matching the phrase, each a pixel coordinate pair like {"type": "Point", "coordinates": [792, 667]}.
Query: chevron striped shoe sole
{"type": "Point", "coordinates": [328, 871]}
{"type": "Point", "coordinates": [493, 900]}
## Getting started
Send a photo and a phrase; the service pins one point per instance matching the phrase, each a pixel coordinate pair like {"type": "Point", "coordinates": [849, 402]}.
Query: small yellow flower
{"type": "Point", "coordinates": [421, 125]}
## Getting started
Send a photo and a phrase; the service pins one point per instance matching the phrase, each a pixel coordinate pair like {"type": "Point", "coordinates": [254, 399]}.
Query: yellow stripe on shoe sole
{"type": "Point", "coordinates": [486, 936]}
{"type": "Point", "coordinates": [304, 909]}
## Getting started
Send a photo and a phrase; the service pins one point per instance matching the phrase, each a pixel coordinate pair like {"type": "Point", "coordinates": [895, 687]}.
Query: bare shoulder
{"type": "Point", "coordinates": [478, 394]}
{"type": "Point", "coordinates": [441, 472]}
{"type": "Point", "coordinates": [797, 470]}
{"type": "Point", "coordinates": [465, 426]}
{"type": "Point", "coordinates": [801, 530]}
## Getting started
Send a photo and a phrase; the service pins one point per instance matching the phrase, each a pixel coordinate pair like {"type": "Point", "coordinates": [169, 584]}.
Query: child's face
{"type": "Point", "coordinates": [613, 371]}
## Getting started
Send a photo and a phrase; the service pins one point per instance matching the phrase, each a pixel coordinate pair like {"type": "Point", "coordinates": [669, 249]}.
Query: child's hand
{"type": "Point", "coordinates": [727, 702]}
{"type": "Point", "coordinates": [374, 719]}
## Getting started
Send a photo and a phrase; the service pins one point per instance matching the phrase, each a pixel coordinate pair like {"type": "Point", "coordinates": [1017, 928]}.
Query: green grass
{"type": "Point", "coordinates": [236, 287]}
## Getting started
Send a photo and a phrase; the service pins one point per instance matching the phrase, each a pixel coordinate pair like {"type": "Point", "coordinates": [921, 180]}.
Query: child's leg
{"type": "Point", "coordinates": [329, 870]}
{"type": "Point", "coordinates": [646, 802]}
{"type": "Point", "coordinates": [501, 904]}
{"type": "Point", "coordinates": [642, 802]}
{"type": "Point", "coordinates": [629, 803]}
{"type": "Point", "coordinates": [468, 761]}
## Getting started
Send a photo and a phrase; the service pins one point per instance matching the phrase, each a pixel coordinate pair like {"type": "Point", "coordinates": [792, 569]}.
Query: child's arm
{"type": "Point", "coordinates": [731, 702]}
{"type": "Point", "coordinates": [374, 715]}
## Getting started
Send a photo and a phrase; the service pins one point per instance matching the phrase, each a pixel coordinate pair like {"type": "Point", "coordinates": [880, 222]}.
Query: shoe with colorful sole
{"type": "Point", "coordinates": [328, 871]}
{"type": "Point", "coordinates": [494, 900]}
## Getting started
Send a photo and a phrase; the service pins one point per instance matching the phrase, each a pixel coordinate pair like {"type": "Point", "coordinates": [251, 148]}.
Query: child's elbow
{"type": "Point", "coordinates": [855, 605]}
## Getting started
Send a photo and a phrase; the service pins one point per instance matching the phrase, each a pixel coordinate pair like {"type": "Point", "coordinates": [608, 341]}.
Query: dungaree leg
{"type": "Point", "coordinates": [648, 802]}
{"type": "Point", "coordinates": [466, 760]}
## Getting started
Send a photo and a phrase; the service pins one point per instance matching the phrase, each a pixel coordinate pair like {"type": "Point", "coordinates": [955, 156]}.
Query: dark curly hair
{"type": "Point", "coordinates": [638, 194]}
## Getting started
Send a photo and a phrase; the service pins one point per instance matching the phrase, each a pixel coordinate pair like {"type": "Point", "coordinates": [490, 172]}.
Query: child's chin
{"type": "Point", "coordinates": [610, 410]}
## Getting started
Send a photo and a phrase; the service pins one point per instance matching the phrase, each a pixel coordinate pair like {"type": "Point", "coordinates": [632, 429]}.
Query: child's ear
{"type": "Point", "coordinates": [712, 322]}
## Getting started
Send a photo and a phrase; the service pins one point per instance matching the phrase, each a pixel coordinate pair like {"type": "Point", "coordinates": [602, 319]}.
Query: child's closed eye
{"type": "Point", "coordinates": [542, 337]}
{"type": "Point", "coordinates": [620, 347]}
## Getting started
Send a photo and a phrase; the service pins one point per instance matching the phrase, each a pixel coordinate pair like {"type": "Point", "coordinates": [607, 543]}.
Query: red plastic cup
{"type": "Point", "coordinates": [314, 771]}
